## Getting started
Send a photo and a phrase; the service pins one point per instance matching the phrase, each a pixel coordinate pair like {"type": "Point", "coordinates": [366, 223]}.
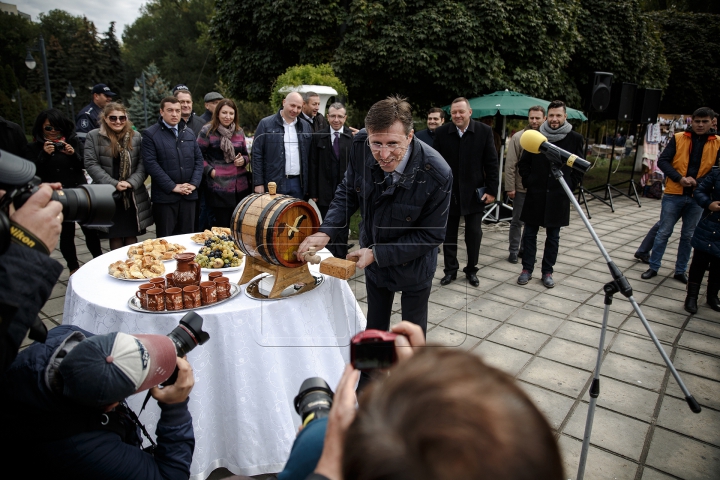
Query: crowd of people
{"type": "Point", "coordinates": [411, 191]}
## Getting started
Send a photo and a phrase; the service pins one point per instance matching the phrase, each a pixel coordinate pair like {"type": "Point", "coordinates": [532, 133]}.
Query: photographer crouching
{"type": "Point", "coordinates": [63, 410]}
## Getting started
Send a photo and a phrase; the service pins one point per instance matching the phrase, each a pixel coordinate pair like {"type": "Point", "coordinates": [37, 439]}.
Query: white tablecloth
{"type": "Point", "coordinates": [248, 373]}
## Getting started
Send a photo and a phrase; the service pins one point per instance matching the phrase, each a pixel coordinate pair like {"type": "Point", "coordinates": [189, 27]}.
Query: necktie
{"type": "Point", "coordinates": [336, 145]}
{"type": "Point", "coordinates": [175, 131]}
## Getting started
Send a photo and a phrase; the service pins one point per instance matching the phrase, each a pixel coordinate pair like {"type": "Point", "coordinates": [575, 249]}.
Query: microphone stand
{"type": "Point", "coordinates": [618, 284]}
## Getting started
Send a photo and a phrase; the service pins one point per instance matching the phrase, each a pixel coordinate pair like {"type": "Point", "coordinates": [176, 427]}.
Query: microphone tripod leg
{"type": "Point", "coordinates": [610, 290]}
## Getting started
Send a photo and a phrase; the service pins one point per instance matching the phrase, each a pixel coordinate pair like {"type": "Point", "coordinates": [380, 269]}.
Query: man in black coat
{"type": "Point", "coordinates": [311, 112]}
{"type": "Point", "coordinates": [329, 154]}
{"type": "Point", "coordinates": [174, 162]}
{"type": "Point", "coordinates": [468, 147]}
{"type": "Point", "coordinates": [402, 188]}
{"type": "Point", "coordinates": [435, 119]}
{"type": "Point", "coordinates": [546, 204]}
{"type": "Point", "coordinates": [12, 138]}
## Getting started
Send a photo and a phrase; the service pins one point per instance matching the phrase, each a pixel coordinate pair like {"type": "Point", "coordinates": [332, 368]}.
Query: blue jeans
{"type": "Point", "coordinates": [647, 243]}
{"type": "Point", "coordinates": [293, 188]}
{"type": "Point", "coordinates": [675, 207]}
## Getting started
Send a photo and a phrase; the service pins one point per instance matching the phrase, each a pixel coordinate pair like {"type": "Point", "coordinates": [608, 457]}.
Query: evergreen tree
{"type": "Point", "coordinates": [57, 69]}
{"type": "Point", "coordinates": [85, 60]}
{"type": "Point", "coordinates": [113, 68]}
{"type": "Point", "coordinates": [157, 89]}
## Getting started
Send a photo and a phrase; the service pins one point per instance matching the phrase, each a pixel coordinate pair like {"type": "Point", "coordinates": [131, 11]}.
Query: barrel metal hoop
{"type": "Point", "coordinates": [260, 224]}
{"type": "Point", "coordinates": [247, 202]}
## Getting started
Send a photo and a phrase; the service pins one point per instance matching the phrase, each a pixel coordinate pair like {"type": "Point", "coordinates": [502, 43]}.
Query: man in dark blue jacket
{"type": "Point", "coordinates": [402, 188]}
{"type": "Point", "coordinates": [62, 414]}
{"type": "Point", "coordinates": [435, 119]}
{"type": "Point", "coordinates": [281, 148]}
{"type": "Point", "coordinates": [87, 119]}
{"type": "Point", "coordinates": [175, 164]}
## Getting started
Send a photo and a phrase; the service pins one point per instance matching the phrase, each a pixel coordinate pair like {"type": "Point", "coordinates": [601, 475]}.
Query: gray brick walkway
{"type": "Point", "coordinates": [548, 339]}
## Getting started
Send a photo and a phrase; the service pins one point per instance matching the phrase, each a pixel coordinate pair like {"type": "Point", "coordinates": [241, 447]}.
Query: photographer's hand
{"type": "Point", "coordinates": [341, 416]}
{"type": "Point", "coordinates": [68, 150]}
{"type": "Point", "coordinates": [179, 391]}
{"type": "Point", "coordinates": [49, 148]}
{"type": "Point", "coordinates": [410, 337]}
{"type": "Point", "coordinates": [41, 216]}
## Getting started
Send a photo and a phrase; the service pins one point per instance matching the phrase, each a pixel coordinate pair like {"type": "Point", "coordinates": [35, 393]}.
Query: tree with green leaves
{"type": "Point", "coordinates": [113, 68]}
{"type": "Point", "coordinates": [173, 34]}
{"type": "Point", "coordinates": [16, 34]}
{"type": "Point", "coordinates": [691, 40]}
{"type": "Point", "coordinates": [617, 37]}
{"type": "Point", "coordinates": [156, 89]}
{"type": "Point", "coordinates": [305, 75]}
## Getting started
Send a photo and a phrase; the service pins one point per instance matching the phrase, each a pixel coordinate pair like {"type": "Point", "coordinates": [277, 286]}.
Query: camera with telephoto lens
{"type": "Point", "coordinates": [186, 336]}
{"type": "Point", "coordinates": [313, 400]}
{"type": "Point", "coordinates": [89, 205]}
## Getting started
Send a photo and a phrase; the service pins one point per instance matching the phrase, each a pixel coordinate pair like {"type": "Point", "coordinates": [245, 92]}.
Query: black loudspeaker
{"type": "Point", "coordinates": [622, 102]}
{"type": "Point", "coordinates": [600, 94]}
{"type": "Point", "coordinates": [647, 105]}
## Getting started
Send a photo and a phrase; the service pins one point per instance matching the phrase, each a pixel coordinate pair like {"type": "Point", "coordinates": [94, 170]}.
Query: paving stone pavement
{"type": "Point", "coordinates": [547, 339]}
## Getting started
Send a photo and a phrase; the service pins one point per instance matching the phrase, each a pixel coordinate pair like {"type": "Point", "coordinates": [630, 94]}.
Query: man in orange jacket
{"type": "Point", "coordinates": [689, 156]}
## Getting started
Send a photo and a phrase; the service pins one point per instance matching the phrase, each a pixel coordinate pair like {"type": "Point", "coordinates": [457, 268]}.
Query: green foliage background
{"type": "Point", "coordinates": [305, 75]}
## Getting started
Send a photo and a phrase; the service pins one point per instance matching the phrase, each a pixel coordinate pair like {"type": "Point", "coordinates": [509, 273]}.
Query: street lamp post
{"type": "Point", "coordinates": [30, 62]}
{"type": "Point", "coordinates": [70, 94]}
{"type": "Point", "coordinates": [137, 89]}
{"type": "Point", "coordinates": [17, 98]}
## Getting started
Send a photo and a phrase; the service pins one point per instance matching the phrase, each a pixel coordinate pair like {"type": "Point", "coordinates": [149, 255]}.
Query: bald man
{"type": "Point", "coordinates": [281, 148]}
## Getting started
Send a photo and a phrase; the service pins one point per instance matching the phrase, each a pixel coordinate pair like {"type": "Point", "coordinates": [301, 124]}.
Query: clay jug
{"type": "Point", "coordinates": [187, 272]}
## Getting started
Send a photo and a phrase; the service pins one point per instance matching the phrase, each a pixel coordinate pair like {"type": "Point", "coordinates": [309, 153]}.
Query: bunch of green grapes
{"type": "Point", "coordinates": [219, 251]}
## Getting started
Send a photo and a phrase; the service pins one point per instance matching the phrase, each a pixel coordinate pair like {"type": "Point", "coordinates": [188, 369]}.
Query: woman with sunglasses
{"type": "Point", "coordinates": [112, 156]}
{"type": "Point", "coordinates": [222, 144]}
{"type": "Point", "coordinates": [57, 154]}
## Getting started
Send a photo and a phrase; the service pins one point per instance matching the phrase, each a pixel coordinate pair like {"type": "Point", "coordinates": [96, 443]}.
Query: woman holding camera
{"type": "Point", "coordinates": [112, 156]}
{"type": "Point", "coordinates": [222, 144]}
{"type": "Point", "coordinates": [57, 154]}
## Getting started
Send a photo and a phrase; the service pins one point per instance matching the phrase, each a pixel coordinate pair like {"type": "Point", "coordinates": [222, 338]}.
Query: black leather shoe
{"type": "Point", "coordinates": [681, 277]}
{"type": "Point", "coordinates": [448, 278]}
{"type": "Point", "coordinates": [472, 278]}
{"type": "Point", "coordinates": [643, 257]}
{"type": "Point", "coordinates": [513, 258]}
{"type": "Point", "coordinates": [649, 274]}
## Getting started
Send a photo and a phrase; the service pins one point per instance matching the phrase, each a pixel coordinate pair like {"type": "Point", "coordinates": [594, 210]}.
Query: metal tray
{"type": "Point", "coordinates": [253, 291]}
{"type": "Point", "coordinates": [134, 303]}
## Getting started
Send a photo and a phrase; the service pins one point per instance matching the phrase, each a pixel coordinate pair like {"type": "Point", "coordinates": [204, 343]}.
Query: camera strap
{"type": "Point", "coordinates": [23, 237]}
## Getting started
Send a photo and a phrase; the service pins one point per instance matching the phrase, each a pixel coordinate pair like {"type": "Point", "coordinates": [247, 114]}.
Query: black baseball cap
{"type": "Point", "coordinates": [102, 88]}
{"type": "Point", "coordinates": [179, 88]}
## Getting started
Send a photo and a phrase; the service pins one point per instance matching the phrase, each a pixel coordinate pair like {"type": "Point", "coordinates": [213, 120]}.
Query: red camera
{"type": "Point", "coordinates": [373, 349]}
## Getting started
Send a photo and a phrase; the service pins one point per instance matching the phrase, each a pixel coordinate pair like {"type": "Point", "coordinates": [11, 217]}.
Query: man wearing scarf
{"type": "Point", "coordinates": [546, 204]}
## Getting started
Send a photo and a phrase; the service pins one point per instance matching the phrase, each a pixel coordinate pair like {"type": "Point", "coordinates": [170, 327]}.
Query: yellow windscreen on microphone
{"type": "Point", "coordinates": [531, 141]}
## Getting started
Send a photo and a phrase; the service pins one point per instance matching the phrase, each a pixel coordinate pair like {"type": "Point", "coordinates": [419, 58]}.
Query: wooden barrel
{"type": "Point", "coordinates": [272, 227]}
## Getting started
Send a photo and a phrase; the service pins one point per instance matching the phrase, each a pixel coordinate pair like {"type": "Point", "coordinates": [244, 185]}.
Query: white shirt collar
{"type": "Point", "coordinates": [286, 123]}
{"type": "Point", "coordinates": [462, 132]}
{"type": "Point", "coordinates": [171, 127]}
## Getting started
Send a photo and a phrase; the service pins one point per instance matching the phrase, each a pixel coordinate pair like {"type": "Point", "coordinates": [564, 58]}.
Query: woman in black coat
{"type": "Point", "coordinates": [57, 154]}
{"type": "Point", "coordinates": [706, 244]}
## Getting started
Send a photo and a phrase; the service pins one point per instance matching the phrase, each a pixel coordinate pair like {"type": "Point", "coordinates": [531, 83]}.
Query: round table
{"type": "Point", "coordinates": [248, 373]}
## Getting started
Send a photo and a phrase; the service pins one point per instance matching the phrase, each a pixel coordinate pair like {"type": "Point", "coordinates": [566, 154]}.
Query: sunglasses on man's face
{"type": "Point", "coordinates": [121, 118]}
{"type": "Point", "coordinates": [50, 128]}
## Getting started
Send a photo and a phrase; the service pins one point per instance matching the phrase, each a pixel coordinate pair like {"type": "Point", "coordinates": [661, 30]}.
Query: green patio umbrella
{"type": "Point", "coordinates": [507, 102]}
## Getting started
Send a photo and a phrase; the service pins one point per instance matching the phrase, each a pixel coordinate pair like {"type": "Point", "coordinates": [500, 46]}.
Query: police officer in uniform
{"type": "Point", "coordinates": [87, 119]}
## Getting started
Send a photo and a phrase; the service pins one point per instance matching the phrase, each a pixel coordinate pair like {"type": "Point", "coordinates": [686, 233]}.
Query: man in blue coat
{"type": "Point", "coordinates": [174, 162]}
{"type": "Point", "coordinates": [281, 148]}
{"type": "Point", "coordinates": [402, 188]}
{"type": "Point", "coordinates": [63, 411]}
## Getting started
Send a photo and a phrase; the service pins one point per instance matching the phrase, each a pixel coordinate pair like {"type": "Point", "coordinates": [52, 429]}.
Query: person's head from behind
{"type": "Point", "coordinates": [702, 120]}
{"type": "Point", "coordinates": [225, 114]}
{"type": "Point", "coordinates": [389, 125]}
{"type": "Point", "coordinates": [311, 104]}
{"type": "Point", "coordinates": [444, 414]}
{"type": "Point", "coordinates": [52, 125]}
{"type": "Point", "coordinates": [170, 110]}
{"type": "Point", "coordinates": [102, 370]}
